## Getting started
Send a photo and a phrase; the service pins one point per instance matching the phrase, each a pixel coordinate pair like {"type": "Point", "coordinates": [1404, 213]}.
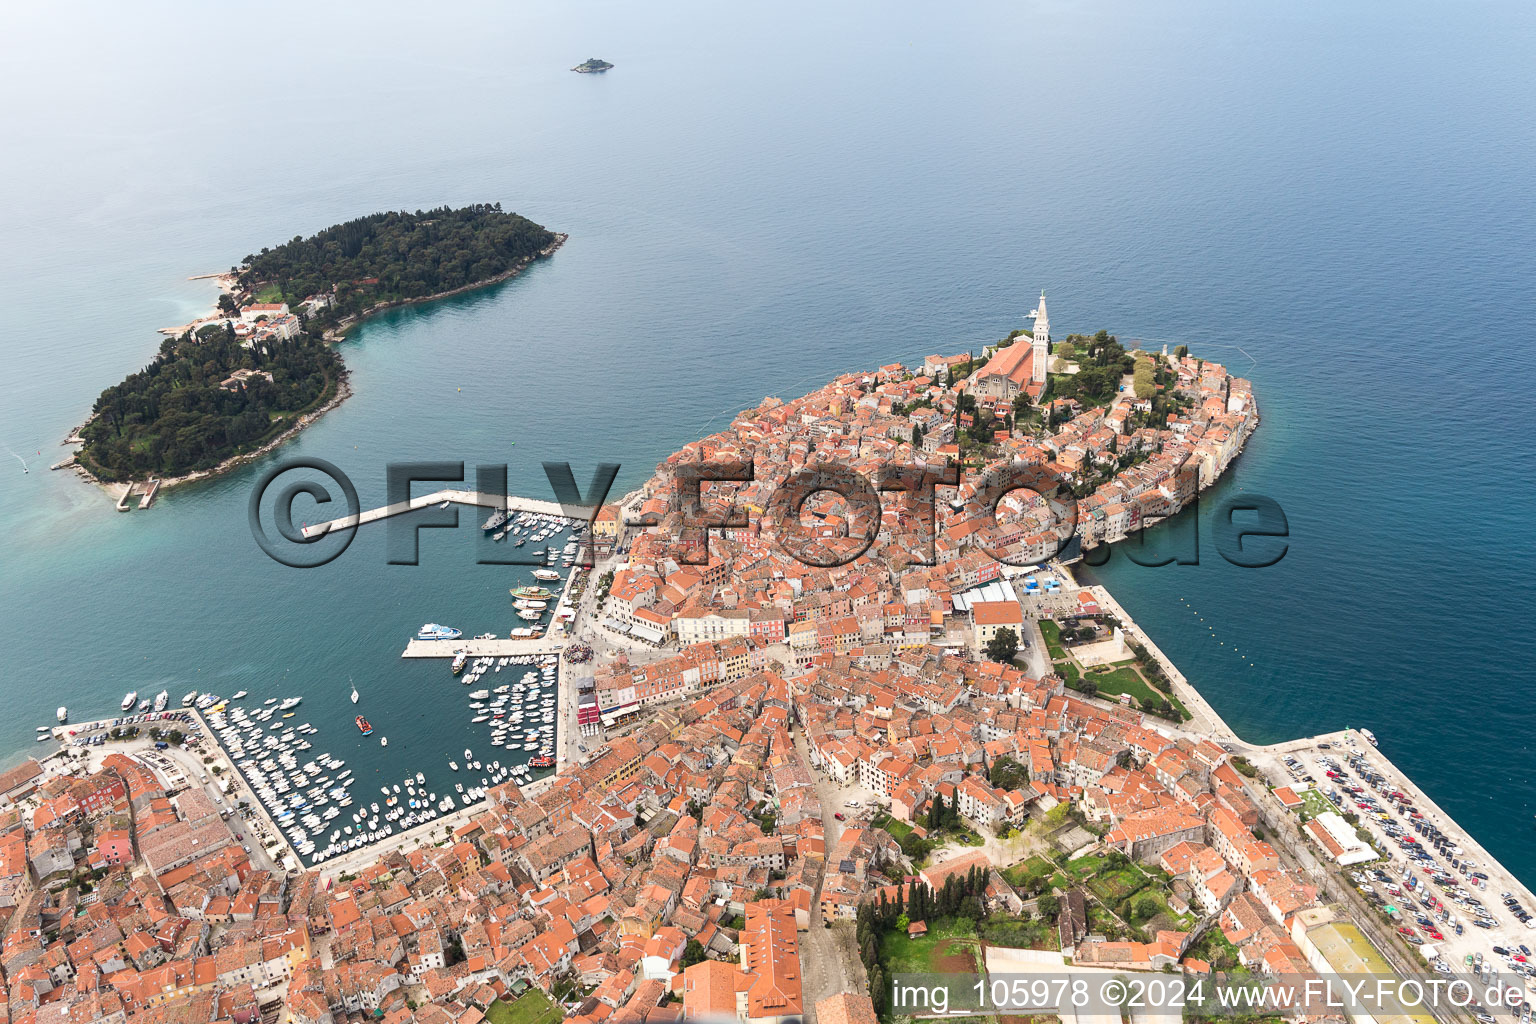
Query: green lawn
{"type": "Point", "coordinates": [1021, 874]}
{"type": "Point", "coordinates": [1111, 886]}
{"type": "Point", "coordinates": [916, 956]}
{"type": "Point", "coordinates": [1019, 932]}
{"type": "Point", "coordinates": [897, 828]}
{"type": "Point", "coordinates": [963, 835]}
{"type": "Point", "coordinates": [923, 955]}
{"type": "Point", "coordinates": [1082, 867]}
{"type": "Point", "coordinates": [270, 293]}
{"type": "Point", "coordinates": [1052, 634]}
{"type": "Point", "coordinates": [532, 1007]}
{"type": "Point", "coordinates": [1123, 680]}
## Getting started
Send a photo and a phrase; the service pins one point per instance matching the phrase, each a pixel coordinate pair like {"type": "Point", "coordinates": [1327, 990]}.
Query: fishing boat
{"type": "Point", "coordinates": [189, 698]}
{"type": "Point", "coordinates": [459, 661]}
{"type": "Point", "coordinates": [542, 762]}
{"type": "Point", "coordinates": [363, 726]}
{"type": "Point", "coordinates": [1369, 736]}
{"type": "Point", "coordinates": [161, 700]}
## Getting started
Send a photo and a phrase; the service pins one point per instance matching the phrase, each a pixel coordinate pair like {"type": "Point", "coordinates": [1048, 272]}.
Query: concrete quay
{"type": "Point", "coordinates": [482, 648]}
{"type": "Point", "coordinates": [511, 502]}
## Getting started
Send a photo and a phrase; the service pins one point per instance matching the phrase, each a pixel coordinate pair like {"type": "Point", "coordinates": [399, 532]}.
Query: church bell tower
{"type": "Point", "coordinates": [1042, 340]}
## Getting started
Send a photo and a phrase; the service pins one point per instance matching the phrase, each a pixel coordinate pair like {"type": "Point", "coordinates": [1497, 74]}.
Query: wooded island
{"type": "Point", "coordinates": [241, 379]}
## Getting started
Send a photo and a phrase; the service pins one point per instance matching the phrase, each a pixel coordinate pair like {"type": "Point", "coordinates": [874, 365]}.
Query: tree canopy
{"type": "Point", "coordinates": [172, 417]}
{"type": "Point", "coordinates": [1143, 377]}
{"type": "Point", "coordinates": [1101, 363]}
{"type": "Point", "coordinates": [394, 256]}
{"type": "Point", "coordinates": [1007, 773]}
{"type": "Point", "coordinates": [1003, 645]}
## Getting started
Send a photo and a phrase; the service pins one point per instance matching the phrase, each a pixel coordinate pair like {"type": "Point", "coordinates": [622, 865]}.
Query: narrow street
{"type": "Point", "coordinates": [830, 958]}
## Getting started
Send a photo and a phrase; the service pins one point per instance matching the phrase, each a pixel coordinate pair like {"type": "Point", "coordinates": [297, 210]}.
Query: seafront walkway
{"type": "Point", "coordinates": [1203, 718]}
{"type": "Point", "coordinates": [510, 502]}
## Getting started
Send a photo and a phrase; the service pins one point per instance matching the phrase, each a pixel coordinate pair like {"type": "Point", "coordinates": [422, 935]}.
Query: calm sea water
{"type": "Point", "coordinates": [1332, 199]}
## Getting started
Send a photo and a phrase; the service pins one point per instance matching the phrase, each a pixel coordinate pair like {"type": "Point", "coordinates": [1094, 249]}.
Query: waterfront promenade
{"type": "Point", "coordinates": [552, 642]}
{"type": "Point", "coordinates": [1204, 719]}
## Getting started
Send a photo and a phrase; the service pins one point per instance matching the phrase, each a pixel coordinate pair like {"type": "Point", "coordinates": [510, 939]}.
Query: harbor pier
{"type": "Point", "coordinates": [511, 502]}
{"type": "Point", "coordinates": [482, 648]}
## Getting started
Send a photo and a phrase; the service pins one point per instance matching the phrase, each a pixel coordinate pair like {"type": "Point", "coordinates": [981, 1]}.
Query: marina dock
{"type": "Point", "coordinates": [510, 502]}
{"type": "Point", "coordinates": [496, 647]}
{"type": "Point", "coordinates": [239, 783]}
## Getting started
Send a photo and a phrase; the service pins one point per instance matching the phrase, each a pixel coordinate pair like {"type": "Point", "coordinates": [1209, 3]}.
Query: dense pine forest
{"type": "Point", "coordinates": [389, 257]}
{"type": "Point", "coordinates": [174, 417]}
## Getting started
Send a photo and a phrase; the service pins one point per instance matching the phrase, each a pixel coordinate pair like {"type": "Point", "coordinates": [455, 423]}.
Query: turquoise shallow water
{"type": "Point", "coordinates": [1334, 201]}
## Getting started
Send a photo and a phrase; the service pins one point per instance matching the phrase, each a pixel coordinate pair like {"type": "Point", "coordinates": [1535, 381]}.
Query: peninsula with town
{"type": "Point", "coordinates": [783, 781]}
{"type": "Point", "coordinates": [231, 386]}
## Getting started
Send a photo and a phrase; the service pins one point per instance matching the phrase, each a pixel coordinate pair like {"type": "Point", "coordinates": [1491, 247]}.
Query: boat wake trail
{"type": "Point", "coordinates": [18, 458]}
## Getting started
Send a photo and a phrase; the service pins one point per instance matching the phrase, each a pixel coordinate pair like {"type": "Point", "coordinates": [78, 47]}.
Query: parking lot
{"type": "Point", "coordinates": [1441, 891]}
